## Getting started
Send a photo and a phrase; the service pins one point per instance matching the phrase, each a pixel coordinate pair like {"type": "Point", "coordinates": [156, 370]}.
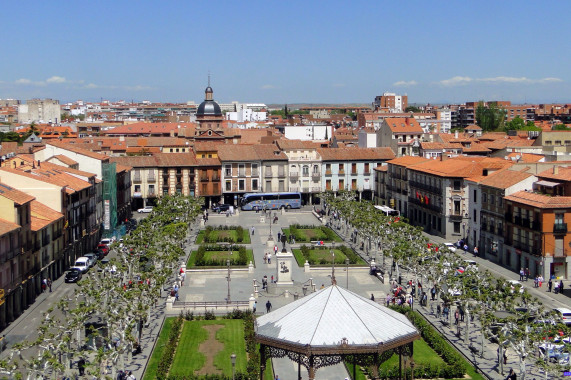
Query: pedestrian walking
{"type": "Point", "coordinates": [433, 292]}
{"type": "Point", "coordinates": [465, 248]}
{"type": "Point", "coordinates": [130, 376]}
{"type": "Point", "coordinates": [268, 306]}
{"type": "Point", "coordinates": [521, 274]}
{"type": "Point", "coordinates": [540, 279]}
{"type": "Point", "coordinates": [511, 375]}
{"type": "Point", "coordinates": [49, 282]}
{"type": "Point", "coordinates": [176, 295]}
{"type": "Point", "coordinates": [561, 287]}
{"type": "Point", "coordinates": [182, 277]}
{"type": "Point", "coordinates": [372, 297]}
{"type": "Point", "coordinates": [275, 249]}
{"type": "Point", "coordinates": [269, 258]}
{"type": "Point", "coordinates": [549, 285]}
{"type": "Point", "coordinates": [254, 308]}
{"type": "Point", "coordinates": [456, 316]}
{"type": "Point", "coordinates": [253, 230]}
{"type": "Point", "coordinates": [438, 311]}
{"type": "Point", "coordinates": [272, 278]}
{"type": "Point", "coordinates": [475, 251]}
{"type": "Point", "coordinates": [266, 258]}
{"type": "Point", "coordinates": [81, 366]}
{"type": "Point", "coordinates": [526, 274]}
{"type": "Point", "coordinates": [44, 285]}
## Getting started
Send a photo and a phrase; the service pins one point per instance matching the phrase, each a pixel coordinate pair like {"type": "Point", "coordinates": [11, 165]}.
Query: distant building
{"type": "Point", "coordinates": [39, 110]}
{"type": "Point", "coordinates": [391, 102]}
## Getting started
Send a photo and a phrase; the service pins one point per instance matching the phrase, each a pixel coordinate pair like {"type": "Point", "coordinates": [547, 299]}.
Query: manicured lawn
{"type": "Point", "coordinates": [188, 357]}
{"type": "Point", "coordinates": [305, 235]}
{"type": "Point", "coordinates": [324, 257]}
{"type": "Point", "coordinates": [217, 236]}
{"type": "Point", "coordinates": [151, 371]}
{"type": "Point", "coordinates": [219, 257]}
{"type": "Point", "coordinates": [423, 354]}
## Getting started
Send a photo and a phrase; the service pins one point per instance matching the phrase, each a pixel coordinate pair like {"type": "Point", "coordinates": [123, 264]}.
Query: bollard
{"type": "Point", "coordinates": [256, 293]}
{"type": "Point", "coordinates": [306, 267]}
{"type": "Point", "coordinates": [286, 293]}
{"type": "Point", "coordinates": [251, 268]}
{"type": "Point", "coordinates": [295, 296]}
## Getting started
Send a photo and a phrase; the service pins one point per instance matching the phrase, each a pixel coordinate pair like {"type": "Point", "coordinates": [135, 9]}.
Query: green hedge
{"type": "Point", "coordinates": [168, 352]}
{"type": "Point", "coordinates": [209, 235]}
{"type": "Point", "coordinates": [321, 233]}
{"type": "Point", "coordinates": [455, 367]}
{"type": "Point", "coordinates": [348, 252]}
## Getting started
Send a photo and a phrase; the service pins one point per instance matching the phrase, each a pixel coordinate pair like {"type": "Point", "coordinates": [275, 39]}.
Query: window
{"type": "Point", "coordinates": [254, 169]}
{"type": "Point", "coordinates": [557, 142]}
{"type": "Point", "coordinates": [353, 184]}
{"type": "Point", "coordinates": [456, 227]}
{"type": "Point", "coordinates": [328, 184]}
{"type": "Point", "coordinates": [475, 196]}
{"type": "Point", "coordinates": [500, 201]}
{"type": "Point", "coordinates": [559, 217]}
{"type": "Point", "coordinates": [203, 156]}
{"type": "Point", "coordinates": [281, 185]}
{"type": "Point", "coordinates": [353, 168]}
{"type": "Point", "coordinates": [228, 186]}
{"type": "Point", "coordinates": [456, 207]}
{"type": "Point", "coordinates": [475, 216]}
{"type": "Point", "coordinates": [305, 170]}
{"type": "Point", "coordinates": [341, 184]}
{"type": "Point", "coordinates": [241, 170]}
{"type": "Point", "coordinates": [268, 186]}
{"type": "Point", "coordinates": [341, 169]}
{"type": "Point", "coordinates": [367, 167]}
{"type": "Point", "coordinates": [456, 185]}
{"type": "Point", "coordinates": [492, 199]}
{"type": "Point", "coordinates": [548, 142]}
{"type": "Point", "coordinates": [328, 168]}
{"type": "Point", "coordinates": [241, 185]}
{"type": "Point", "coordinates": [315, 169]}
{"type": "Point", "coordinates": [254, 184]}
{"type": "Point", "coordinates": [137, 188]}
{"type": "Point", "coordinates": [484, 198]}
{"type": "Point", "coordinates": [151, 189]}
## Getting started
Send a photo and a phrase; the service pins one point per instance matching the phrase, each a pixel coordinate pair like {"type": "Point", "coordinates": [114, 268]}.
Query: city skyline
{"type": "Point", "coordinates": [287, 53]}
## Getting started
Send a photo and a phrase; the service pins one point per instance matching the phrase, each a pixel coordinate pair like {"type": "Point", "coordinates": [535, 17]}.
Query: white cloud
{"type": "Point", "coordinates": [403, 83]}
{"type": "Point", "coordinates": [459, 80]}
{"type": "Point", "coordinates": [267, 87]}
{"type": "Point", "coordinates": [56, 79]}
{"type": "Point", "coordinates": [23, 81]}
{"type": "Point", "coordinates": [91, 85]}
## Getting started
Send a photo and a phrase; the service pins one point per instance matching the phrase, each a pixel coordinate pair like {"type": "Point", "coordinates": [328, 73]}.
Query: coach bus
{"type": "Point", "coordinates": [388, 211]}
{"type": "Point", "coordinates": [270, 201]}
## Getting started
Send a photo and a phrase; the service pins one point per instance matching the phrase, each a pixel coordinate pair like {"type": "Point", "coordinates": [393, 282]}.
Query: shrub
{"type": "Point", "coordinates": [170, 348]}
{"type": "Point", "coordinates": [209, 315]}
{"type": "Point", "coordinates": [239, 234]}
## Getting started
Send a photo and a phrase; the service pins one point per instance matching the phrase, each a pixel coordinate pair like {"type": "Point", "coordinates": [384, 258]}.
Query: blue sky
{"type": "Point", "coordinates": [287, 51]}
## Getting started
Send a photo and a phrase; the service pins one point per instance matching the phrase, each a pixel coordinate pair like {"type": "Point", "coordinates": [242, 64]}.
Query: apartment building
{"type": "Point", "coordinates": [486, 210]}
{"type": "Point", "coordinates": [402, 135]}
{"type": "Point", "coordinates": [39, 111]}
{"type": "Point", "coordinates": [396, 183]}
{"type": "Point", "coordinates": [351, 169]}
{"type": "Point", "coordinates": [537, 236]}
{"type": "Point", "coordinates": [391, 102]}
{"type": "Point", "coordinates": [304, 167]}
{"type": "Point", "coordinates": [274, 168]}
{"type": "Point", "coordinates": [159, 174]}
{"type": "Point", "coordinates": [241, 171]}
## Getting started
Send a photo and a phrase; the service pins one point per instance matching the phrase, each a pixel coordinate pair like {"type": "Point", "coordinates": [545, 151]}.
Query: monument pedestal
{"type": "Point", "coordinates": [284, 263]}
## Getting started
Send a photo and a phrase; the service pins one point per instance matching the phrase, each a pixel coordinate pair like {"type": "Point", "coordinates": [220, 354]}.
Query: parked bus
{"type": "Point", "coordinates": [388, 211]}
{"type": "Point", "coordinates": [270, 201]}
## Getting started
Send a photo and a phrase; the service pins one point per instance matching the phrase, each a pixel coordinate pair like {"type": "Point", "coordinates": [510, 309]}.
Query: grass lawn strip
{"type": "Point", "coordinates": [423, 354]}
{"type": "Point", "coordinates": [220, 235]}
{"type": "Point", "coordinates": [309, 234]}
{"type": "Point", "coordinates": [320, 255]}
{"type": "Point", "coordinates": [221, 256]}
{"type": "Point", "coordinates": [195, 345]}
{"type": "Point", "coordinates": [151, 370]}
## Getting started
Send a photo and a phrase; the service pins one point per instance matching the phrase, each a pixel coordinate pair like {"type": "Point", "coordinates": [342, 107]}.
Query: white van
{"type": "Point", "coordinates": [106, 241]}
{"type": "Point", "coordinates": [82, 264]}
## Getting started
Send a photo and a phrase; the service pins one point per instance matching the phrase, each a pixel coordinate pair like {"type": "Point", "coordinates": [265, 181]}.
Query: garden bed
{"type": "Point", "coordinates": [224, 234]}
{"type": "Point", "coordinates": [214, 255]}
{"type": "Point", "coordinates": [200, 347]}
{"type": "Point", "coordinates": [305, 234]}
{"type": "Point", "coordinates": [317, 256]}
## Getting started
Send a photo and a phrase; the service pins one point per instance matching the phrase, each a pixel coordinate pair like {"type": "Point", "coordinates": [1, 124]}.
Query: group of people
{"type": "Point", "coordinates": [538, 281]}
{"type": "Point", "coordinates": [46, 284]}
{"type": "Point", "coordinates": [265, 282]}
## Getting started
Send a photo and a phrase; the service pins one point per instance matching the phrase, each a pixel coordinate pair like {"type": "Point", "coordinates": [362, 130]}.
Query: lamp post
{"type": "Point", "coordinates": [333, 281]}
{"type": "Point", "coordinates": [347, 264]}
{"type": "Point", "coordinates": [228, 278]}
{"type": "Point", "coordinates": [233, 360]}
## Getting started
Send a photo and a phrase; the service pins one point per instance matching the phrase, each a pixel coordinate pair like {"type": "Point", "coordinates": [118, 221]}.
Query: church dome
{"type": "Point", "coordinates": [208, 107]}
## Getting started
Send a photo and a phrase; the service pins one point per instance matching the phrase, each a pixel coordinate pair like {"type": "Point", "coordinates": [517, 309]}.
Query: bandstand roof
{"type": "Point", "coordinates": [335, 317]}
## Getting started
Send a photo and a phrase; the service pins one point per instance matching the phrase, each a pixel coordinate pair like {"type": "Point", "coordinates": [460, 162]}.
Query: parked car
{"type": "Point", "coordinates": [107, 242]}
{"type": "Point", "coordinates": [564, 314]}
{"type": "Point", "coordinates": [145, 210]}
{"type": "Point", "coordinates": [221, 208]}
{"type": "Point", "coordinates": [514, 284]}
{"type": "Point", "coordinates": [93, 257]}
{"type": "Point", "coordinates": [81, 264]}
{"type": "Point", "coordinates": [451, 247]}
{"type": "Point", "coordinates": [74, 275]}
{"type": "Point", "coordinates": [104, 248]}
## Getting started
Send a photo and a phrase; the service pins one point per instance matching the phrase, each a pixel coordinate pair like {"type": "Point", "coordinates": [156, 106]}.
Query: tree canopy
{"type": "Point", "coordinates": [490, 117]}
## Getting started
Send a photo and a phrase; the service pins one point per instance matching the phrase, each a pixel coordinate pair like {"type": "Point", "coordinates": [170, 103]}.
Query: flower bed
{"type": "Point", "coordinates": [305, 234]}
{"type": "Point", "coordinates": [322, 256]}
{"type": "Point", "coordinates": [221, 234]}
{"type": "Point", "coordinates": [214, 255]}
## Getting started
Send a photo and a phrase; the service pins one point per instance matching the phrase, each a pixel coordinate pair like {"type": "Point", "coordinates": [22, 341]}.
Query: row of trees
{"type": "Point", "coordinates": [117, 303]}
{"type": "Point", "coordinates": [507, 314]}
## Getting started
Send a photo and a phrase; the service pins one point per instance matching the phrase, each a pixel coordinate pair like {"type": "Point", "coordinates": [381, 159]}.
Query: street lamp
{"type": "Point", "coordinates": [347, 264]}
{"type": "Point", "coordinates": [233, 360]}
{"type": "Point", "coordinates": [333, 281]}
{"type": "Point", "coordinates": [228, 278]}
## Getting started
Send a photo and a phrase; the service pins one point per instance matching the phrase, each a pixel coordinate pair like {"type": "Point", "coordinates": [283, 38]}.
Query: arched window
{"type": "Point", "coordinates": [305, 169]}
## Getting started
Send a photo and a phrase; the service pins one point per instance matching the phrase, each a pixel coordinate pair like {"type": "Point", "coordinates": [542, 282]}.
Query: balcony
{"type": "Point", "coordinates": [255, 173]}
{"type": "Point", "coordinates": [484, 226]}
{"type": "Point", "coordinates": [294, 176]}
{"type": "Point", "coordinates": [268, 174]}
{"type": "Point", "coordinates": [315, 176]}
{"type": "Point", "coordinates": [151, 194]}
{"type": "Point", "coordinates": [151, 178]}
{"type": "Point", "coordinates": [517, 220]}
{"type": "Point", "coordinates": [242, 173]}
{"type": "Point", "coordinates": [281, 174]}
{"type": "Point", "coordinates": [422, 186]}
{"type": "Point", "coordinates": [215, 178]}
{"type": "Point", "coordinates": [137, 179]}
{"type": "Point", "coordinates": [560, 228]}
{"type": "Point", "coordinates": [508, 217]}
{"type": "Point", "coordinates": [204, 178]}
{"type": "Point", "coordinates": [430, 207]}
{"type": "Point", "coordinates": [328, 172]}
{"type": "Point", "coordinates": [341, 172]}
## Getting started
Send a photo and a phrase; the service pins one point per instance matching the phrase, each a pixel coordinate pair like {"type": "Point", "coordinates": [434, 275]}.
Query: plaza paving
{"type": "Point", "coordinates": [211, 286]}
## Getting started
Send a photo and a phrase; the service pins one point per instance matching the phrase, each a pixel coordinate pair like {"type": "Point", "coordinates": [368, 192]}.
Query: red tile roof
{"type": "Point", "coordinates": [42, 215]}
{"type": "Point", "coordinates": [539, 200]}
{"type": "Point", "coordinates": [7, 227]}
{"type": "Point", "coordinates": [17, 196]}
{"type": "Point", "coordinates": [403, 125]}
{"type": "Point", "coordinates": [355, 154]}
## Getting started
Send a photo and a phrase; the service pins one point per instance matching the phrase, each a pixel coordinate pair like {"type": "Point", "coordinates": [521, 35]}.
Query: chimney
{"type": "Point", "coordinates": [39, 165]}
{"type": "Point", "coordinates": [556, 170]}
{"type": "Point", "coordinates": [456, 134]}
